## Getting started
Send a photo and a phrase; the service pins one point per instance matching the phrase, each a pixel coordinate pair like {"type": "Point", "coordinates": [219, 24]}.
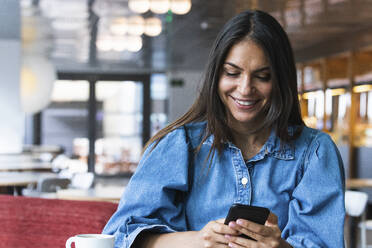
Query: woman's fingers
{"type": "Point", "coordinates": [251, 229]}
{"type": "Point", "coordinates": [221, 228]}
{"type": "Point", "coordinates": [272, 220]}
{"type": "Point", "coordinates": [268, 235]}
{"type": "Point", "coordinates": [213, 234]}
{"type": "Point", "coordinates": [237, 242]}
{"type": "Point", "coordinates": [213, 237]}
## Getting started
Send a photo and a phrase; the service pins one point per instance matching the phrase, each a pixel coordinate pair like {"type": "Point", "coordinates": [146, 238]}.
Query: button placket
{"type": "Point", "coordinates": [243, 180]}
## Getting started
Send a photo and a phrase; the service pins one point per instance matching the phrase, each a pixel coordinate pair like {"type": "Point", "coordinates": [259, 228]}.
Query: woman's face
{"type": "Point", "coordinates": [245, 83]}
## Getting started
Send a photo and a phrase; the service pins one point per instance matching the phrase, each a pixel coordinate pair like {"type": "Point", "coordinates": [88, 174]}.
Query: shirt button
{"type": "Point", "coordinates": [244, 181]}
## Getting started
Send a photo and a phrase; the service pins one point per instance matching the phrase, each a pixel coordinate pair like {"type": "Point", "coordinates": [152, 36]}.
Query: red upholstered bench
{"type": "Point", "coordinates": [34, 222]}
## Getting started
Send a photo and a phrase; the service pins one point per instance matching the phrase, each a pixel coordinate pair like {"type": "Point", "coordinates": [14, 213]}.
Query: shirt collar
{"type": "Point", "coordinates": [272, 147]}
{"type": "Point", "coordinates": [278, 149]}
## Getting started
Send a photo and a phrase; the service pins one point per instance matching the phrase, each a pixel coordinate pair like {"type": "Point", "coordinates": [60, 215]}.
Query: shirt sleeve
{"type": "Point", "coordinates": [153, 199]}
{"type": "Point", "coordinates": [317, 210]}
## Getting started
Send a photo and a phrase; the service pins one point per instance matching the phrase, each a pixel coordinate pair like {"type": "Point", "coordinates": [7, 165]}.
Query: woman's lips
{"type": "Point", "coordinates": [246, 104]}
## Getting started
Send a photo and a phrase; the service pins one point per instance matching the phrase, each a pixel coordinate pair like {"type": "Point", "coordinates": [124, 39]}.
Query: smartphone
{"type": "Point", "coordinates": [255, 214]}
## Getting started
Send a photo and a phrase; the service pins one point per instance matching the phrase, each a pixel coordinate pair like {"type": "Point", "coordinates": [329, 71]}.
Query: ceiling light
{"type": "Point", "coordinates": [308, 95]}
{"type": "Point", "coordinates": [134, 43]}
{"type": "Point", "coordinates": [119, 26]}
{"type": "Point", "coordinates": [139, 6]}
{"type": "Point", "coordinates": [159, 6]}
{"type": "Point", "coordinates": [362, 88]}
{"type": "Point", "coordinates": [136, 25]}
{"type": "Point", "coordinates": [37, 78]}
{"type": "Point", "coordinates": [153, 26]}
{"type": "Point", "coordinates": [338, 91]}
{"type": "Point", "coordinates": [119, 44]}
{"type": "Point", "coordinates": [180, 7]}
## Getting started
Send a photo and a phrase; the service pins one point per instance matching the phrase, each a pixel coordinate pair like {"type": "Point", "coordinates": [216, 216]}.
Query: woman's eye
{"type": "Point", "coordinates": [264, 77]}
{"type": "Point", "coordinates": [232, 74]}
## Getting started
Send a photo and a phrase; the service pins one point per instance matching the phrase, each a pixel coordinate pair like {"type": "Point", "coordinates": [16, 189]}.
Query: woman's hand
{"type": "Point", "coordinates": [268, 235]}
{"type": "Point", "coordinates": [214, 234]}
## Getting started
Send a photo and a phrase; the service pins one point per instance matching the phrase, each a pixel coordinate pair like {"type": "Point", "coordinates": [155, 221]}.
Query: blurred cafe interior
{"type": "Point", "coordinates": [85, 83]}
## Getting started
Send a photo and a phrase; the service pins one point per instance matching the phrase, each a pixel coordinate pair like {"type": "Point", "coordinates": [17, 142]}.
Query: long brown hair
{"type": "Point", "coordinates": [283, 110]}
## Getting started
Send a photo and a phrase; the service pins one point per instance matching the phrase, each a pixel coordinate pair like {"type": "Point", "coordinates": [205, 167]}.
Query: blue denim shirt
{"type": "Point", "coordinates": [173, 191]}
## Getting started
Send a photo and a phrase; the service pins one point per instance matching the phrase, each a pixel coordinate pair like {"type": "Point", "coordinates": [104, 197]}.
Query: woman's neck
{"type": "Point", "coordinates": [250, 143]}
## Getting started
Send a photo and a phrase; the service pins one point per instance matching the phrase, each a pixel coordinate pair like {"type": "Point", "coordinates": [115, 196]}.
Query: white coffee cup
{"type": "Point", "coordinates": [91, 241]}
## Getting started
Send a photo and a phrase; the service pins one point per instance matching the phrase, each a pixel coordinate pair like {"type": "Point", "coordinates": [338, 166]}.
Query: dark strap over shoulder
{"type": "Point", "coordinates": [190, 158]}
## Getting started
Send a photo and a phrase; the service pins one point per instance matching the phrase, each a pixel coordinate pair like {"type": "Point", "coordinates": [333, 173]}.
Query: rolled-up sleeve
{"type": "Point", "coordinates": [153, 199]}
{"type": "Point", "coordinates": [317, 210]}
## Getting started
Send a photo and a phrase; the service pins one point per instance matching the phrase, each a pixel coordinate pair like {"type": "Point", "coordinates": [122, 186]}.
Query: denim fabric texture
{"type": "Point", "coordinates": [173, 190]}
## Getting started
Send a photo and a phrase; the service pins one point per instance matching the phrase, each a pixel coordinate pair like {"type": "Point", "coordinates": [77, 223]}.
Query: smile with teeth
{"type": "Point", "coordinates": [245, 103]}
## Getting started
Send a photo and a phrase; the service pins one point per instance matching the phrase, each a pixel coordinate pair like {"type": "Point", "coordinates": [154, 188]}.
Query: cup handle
{"type": "Point", "coordinates": [69, 242]}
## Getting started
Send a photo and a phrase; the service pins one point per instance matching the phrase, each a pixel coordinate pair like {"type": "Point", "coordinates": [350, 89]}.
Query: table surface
{"type": "Point", "coordinates": [359, 183]}
{"type": "Point", "coordinates": [22, 178]}
{"type": "Point", "coordinates": [108, 193]}
{"type": "Point", "coordinates": [25, 166]}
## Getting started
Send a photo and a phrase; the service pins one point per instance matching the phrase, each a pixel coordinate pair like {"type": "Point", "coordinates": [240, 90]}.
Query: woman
{"type": "Point", "coordinates": [243, 141]}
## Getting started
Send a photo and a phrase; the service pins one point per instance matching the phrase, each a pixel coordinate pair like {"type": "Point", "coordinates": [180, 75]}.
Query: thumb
{"type": "Point", "coordinates": [272, 220]}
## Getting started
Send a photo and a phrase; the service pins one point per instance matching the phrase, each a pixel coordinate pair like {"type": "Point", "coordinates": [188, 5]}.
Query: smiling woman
{"type": "Point", "coordinates": [242, 142]}
{"type": "Point", "coordinates": [245, 88]}
{"type": "Point", "coordinates": [245, 85]}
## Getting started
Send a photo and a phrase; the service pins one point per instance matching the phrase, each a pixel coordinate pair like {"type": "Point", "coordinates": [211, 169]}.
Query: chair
{"type": "Point", "coordinates": [365, 225]}
{"type": "Point", "coordinates": [45, 186]}
{"type": "Point", "coordinates": [82, 180]}
{"type": "Point", "coordinates": [355, 205]}
{"type": "Point", "coordinates": [53, 184]}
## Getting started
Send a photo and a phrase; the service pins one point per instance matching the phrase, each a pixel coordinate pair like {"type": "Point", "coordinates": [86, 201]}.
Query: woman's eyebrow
{"type": "Point", "coordinates": [264, 68]}
{"type": "Point", "coordinates": [233, 65]}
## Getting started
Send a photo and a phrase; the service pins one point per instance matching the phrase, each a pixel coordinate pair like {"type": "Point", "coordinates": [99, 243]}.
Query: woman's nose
{"type": "Point", "coordinates": [245, 86]}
